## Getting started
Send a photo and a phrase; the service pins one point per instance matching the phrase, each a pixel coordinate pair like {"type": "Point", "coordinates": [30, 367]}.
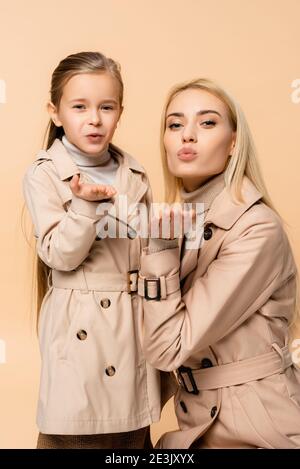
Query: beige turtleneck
{"type": "Point", "coordinates": [101, 168]}
{"type": "Point", "coordinates": [205, 194]}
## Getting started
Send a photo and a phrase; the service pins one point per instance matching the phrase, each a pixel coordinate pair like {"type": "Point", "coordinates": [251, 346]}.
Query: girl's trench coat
{"type": "Point", "coordinates": [228, 327]}
{"type": "Point", "coordinates": [94, 377]}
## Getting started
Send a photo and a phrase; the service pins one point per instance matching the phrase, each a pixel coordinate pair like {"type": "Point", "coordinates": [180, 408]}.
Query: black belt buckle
{"type": "Point", "coordinates": [188, 371]}
{"type": "Point", "coordinates": [158, 294]}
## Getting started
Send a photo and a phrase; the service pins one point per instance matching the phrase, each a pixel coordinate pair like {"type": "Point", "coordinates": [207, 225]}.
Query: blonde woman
{"type": "Point", "coordinates": [219, 315]}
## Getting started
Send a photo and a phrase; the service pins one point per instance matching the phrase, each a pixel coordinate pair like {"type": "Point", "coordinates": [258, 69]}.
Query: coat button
{"type": "Point", "coordinates": [81, 335]}
{"type": "Point", "coordinates": [110, 370]}
{"type": "Point", "coordinates": [207, 233]}
{"type": "Point", "coordinates": [213, 411]}
{"type": "Point", "coordinates": [131, 233]}
{"type": "Point", "coordinates": [105, 302]}
{"type": "Point", "coordinates": [183, 406]}
{"type": "Point", "coordinates": [206, 363]}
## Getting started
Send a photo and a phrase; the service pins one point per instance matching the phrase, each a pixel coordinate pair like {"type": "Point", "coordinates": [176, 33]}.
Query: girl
{"type": "Point", "coordinates": [220, 317]}
{"type": "Point", "coordinates": [96, 390]}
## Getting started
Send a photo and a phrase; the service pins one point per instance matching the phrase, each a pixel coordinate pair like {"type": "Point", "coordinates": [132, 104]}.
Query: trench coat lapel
{"type": "Point", "coordinates": [128, 179]}
{"type": "Point", "coordinates": [223, 213]}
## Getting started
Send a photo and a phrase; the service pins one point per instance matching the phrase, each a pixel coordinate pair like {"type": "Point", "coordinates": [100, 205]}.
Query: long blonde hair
{"type": "Point", "coordinates": [243, 160]}
{"type": "Point", "coordinates": [74, 64]}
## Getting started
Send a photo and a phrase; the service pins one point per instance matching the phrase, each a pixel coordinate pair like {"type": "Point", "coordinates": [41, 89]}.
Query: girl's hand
{"type": "Point", "coordinates": [170, 223]}
{"type": "Point", "coordinates": [91, 192]}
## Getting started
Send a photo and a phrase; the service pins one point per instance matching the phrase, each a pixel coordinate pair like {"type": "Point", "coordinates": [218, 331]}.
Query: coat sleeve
{"type": "Point", "coordinates": [64, 238]}
{"type": "Point", "coordinates": [236, 284]}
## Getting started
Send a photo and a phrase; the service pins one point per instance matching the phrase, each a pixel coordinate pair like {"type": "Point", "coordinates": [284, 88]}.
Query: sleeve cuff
{"type": "Point", "coordinates": [157, 245]}
{"type": "Point", "coordinates": [86, 208]}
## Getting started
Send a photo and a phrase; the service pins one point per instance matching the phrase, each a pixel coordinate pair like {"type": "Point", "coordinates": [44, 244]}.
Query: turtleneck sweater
{"type": "Point", "coordinates": [205, 194]}
{"type": "Point", "coordinates": [100, 168]}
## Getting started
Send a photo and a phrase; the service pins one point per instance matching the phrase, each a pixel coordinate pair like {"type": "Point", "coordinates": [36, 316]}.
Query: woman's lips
{"type": "Point", "coordinates": [186, 154]}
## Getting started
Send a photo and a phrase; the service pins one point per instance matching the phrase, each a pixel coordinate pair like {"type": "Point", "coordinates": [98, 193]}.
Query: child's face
{"type": "Point", "coordinates": [197, 142]}
{"type": "Point", "coordinates": [89, 111]}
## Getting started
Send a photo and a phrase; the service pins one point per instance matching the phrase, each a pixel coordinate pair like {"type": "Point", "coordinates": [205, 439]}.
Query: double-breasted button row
{"type": "Point", "coordinates": [105, 302]}
{"type": "Point", "coordinates": [206, 363]}
{"type": "Point", "coordinates": [110, 370]}
{"type": "Point", "coordinates": [81, 334]}
{"type": "Point", "coordinates": [131, 233]}
{"type": "Point", "coordinates": [207, 234]}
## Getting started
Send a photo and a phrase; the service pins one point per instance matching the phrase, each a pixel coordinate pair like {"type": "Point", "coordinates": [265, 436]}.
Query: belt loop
{"type": "Point", "coordinates": [84, 285]}
{"type": "Point", "coordinates": [163, 288]}
{"type": "Point", "coordinates": [280, 353]}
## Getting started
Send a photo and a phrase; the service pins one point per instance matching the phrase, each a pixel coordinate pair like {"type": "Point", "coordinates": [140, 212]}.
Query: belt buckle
{"type": "Point", "coordinates": [158, 292]}
{"type": "Point", "coordinates": [188, 371]}
{"type": "Point", "coordinates": [130, 281]}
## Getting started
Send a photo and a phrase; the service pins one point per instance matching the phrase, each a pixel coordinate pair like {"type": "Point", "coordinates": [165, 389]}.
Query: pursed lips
{"type": "Point", "coordinates": [186, 153]}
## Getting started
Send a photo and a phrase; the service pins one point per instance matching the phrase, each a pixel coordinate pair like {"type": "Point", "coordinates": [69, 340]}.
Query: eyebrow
{"type": "Point", "coordinates": [108, 100]}
{"type": "Point", "coordinates": [199, 113]}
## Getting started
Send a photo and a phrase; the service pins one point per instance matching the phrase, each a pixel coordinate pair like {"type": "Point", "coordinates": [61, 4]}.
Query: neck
{"type": "Point", "coordinates": [207, 191]}
{"type": "Point", "coordinates": [84, 159]}
{"type": "Point", "coordinates": [191, 185]}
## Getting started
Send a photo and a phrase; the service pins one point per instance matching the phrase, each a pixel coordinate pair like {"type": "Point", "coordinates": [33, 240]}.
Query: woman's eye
{"type": "Point", "coordinates": [175, 125]}
{"type": "Point", "coordinates": [208, 123]}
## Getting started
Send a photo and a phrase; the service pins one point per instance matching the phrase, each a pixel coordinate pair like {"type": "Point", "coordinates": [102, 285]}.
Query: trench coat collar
{"type": "Point", "coordinates": [66, 167]}
{"type": "Point", "coordinates": [224, 211]}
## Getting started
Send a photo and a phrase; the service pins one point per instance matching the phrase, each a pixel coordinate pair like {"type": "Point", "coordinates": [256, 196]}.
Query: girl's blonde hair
{"type": "Point", "coordinates": [74, 64]}
{"type": "Point", "coordinates": [242, 161]}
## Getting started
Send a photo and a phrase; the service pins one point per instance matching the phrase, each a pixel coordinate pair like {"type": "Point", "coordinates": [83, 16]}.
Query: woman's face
{"type": "Point", "coordinates": [198, 138]}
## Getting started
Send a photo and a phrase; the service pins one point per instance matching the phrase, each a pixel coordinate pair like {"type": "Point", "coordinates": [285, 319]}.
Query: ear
{"type": "Point", "coordinates": [233, 142]}
{"type": "Point", "coordinates": [53, 113]}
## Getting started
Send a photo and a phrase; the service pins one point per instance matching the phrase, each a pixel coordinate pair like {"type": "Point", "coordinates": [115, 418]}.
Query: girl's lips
{"type": "Point", "coordinates": [95, 138]}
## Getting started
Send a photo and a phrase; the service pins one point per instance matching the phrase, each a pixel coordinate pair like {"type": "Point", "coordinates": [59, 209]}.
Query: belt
{"type": "Point", "coordinates": [231, 374]}
{"type": "Point", "coordinates": [79, 279]}
{"type": "Point", "coordinates": [158, 288]}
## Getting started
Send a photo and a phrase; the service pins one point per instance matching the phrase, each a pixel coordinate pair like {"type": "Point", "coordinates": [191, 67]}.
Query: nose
{"type": "Point", "coordinates": [95, 118]}
{"type": "Point", "coordinates": [189, 134]}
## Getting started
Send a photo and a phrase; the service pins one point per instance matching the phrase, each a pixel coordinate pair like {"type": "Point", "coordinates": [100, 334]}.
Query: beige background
{"type": "Point", "coordinates": [250, 46]}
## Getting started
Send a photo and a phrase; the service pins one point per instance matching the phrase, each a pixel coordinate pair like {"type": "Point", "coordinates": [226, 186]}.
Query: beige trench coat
{"type": "Point", "coordinates": [94, 377]}
{"type": "Point", "coordinates": [228, 326]}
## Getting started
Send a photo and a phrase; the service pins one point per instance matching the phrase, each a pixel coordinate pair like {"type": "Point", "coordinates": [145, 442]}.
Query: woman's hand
{"type": "Point", "coordinates": [91, 192]}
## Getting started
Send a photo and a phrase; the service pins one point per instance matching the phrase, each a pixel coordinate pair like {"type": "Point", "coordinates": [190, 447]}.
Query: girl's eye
{"type": "Point", "coordinates": [107, 108]}
{"type": "Point", "coordinates": [175, 125]}
{"type": "Point", "coordinates": [78, 106]}
{"type": "Point", "coordinates": [208, 123]}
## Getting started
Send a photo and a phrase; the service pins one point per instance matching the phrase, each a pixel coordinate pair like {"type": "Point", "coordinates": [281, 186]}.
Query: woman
{"type": "Point", "coordinates": [220, 315]}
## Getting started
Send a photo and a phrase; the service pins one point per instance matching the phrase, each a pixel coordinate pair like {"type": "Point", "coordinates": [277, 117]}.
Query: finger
{"type": "Point", "coordinates": [111, 190]}
{"type": "Point", "coordinates": [74, 183]}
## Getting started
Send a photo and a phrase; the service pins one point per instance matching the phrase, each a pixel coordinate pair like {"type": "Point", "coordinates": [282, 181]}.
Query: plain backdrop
{"type": "Point", "coordinates": [251, 47]}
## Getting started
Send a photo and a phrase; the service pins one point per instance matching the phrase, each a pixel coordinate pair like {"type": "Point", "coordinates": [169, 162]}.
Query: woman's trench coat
{"type": "Point", "coordinates": [94, 377]}
{"type": "Point", "coordinates": [226, 329]}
